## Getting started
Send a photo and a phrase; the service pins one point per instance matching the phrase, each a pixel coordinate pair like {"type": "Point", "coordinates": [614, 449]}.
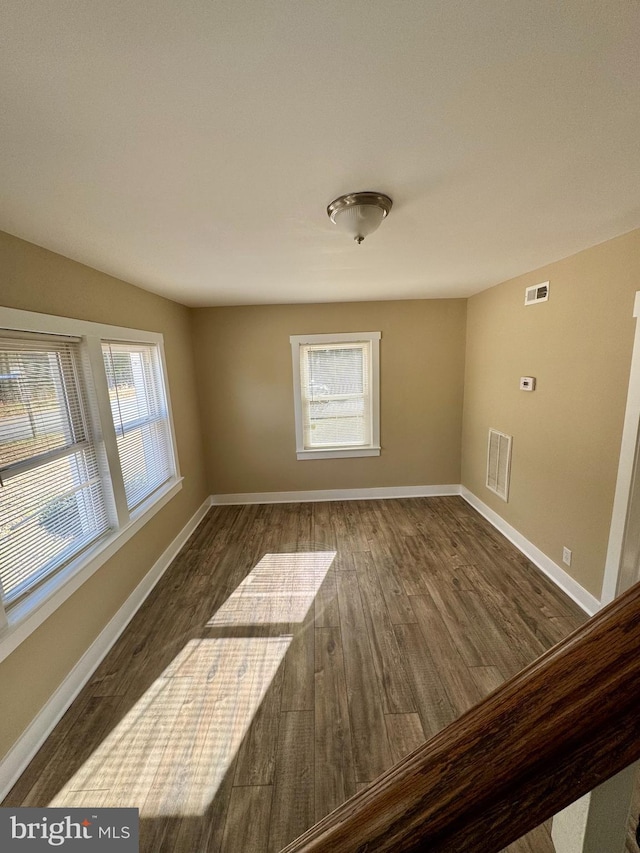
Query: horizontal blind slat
{"type": "Point", "coordinates": [20, 339]}
{"type": "Point", "coordinates": [16, 468]}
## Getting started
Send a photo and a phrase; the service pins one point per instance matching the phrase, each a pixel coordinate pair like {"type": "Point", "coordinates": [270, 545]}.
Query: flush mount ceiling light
{"type": "Point", "coordinates": [359, 214]}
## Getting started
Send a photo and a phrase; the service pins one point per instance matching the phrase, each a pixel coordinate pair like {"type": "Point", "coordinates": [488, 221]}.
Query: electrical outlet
{"type": "Point", "coordinates": [566, 556]}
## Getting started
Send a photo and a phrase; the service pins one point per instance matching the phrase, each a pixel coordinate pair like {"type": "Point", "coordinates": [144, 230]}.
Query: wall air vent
{"type": "Point", "coordinates": [499, 463]}
{"type": "Point", "coordinates": [536, 293]}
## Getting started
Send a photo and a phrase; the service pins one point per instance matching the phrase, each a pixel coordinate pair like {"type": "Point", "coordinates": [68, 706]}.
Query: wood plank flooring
{"type": "Point", "coordinates": [289, 656]}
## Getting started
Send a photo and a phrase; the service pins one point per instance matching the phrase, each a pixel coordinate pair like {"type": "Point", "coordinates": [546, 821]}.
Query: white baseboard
{"type": "Point", "coordinates": [315, 495]}
{"type": "Point", "coordinates": [40, 728]}
{"type": "Point", "coordinates": [562, 579]}
{"type": "Point", "coordinates": [19, 756]}
{"type": "Point", "coordinates": [567, 584]}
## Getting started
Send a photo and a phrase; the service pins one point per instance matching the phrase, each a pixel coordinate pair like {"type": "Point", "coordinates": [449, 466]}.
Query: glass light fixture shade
{"type": "Point", "coordinates": [359, 214]}
{"type": "Point", "coordinates": [360, 220]}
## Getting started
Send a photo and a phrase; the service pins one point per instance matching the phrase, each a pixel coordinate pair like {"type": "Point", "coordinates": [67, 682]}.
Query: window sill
{"type": "Point", "coordinates": [28, 615]}
{"type": "Point", "coordinates": [335, 453]}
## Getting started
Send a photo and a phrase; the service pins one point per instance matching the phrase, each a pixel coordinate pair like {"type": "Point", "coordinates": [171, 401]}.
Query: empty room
{"type": "Point", "coordinates": [319, 409]}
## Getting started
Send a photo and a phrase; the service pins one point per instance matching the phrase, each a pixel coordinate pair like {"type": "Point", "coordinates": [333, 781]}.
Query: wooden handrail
{"type": "Point", "coordinates": [556, 730]}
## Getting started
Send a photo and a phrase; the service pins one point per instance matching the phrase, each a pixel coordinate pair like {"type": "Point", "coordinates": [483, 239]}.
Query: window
{"type": "Point", "coordinates": [336, 395]}
{"type": "Point", "coordinates": [140, 417]}
{"type": "Point", "coordinates": [87, 455]}
{"type": "Point", "coordinates": [52, 499]}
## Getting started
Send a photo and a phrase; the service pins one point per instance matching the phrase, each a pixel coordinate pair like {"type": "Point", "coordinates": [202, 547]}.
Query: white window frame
{"type": "Point", "coordinates": [337, 452]}
{"type": "Point", "coordinates": [18, 622]}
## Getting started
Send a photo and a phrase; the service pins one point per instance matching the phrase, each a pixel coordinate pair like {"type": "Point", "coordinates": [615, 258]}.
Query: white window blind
{"type": "Point", "coordinates": [335, 385]}
{"type": "Point", "coordinates": [51, 499]}
{"type": "Point", "coordinates": [336, 394]}
{"type": "Point", "coordinates": [140, 417]}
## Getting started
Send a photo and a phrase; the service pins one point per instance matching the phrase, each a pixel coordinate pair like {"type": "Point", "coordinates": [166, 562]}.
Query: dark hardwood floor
{"type": "Point", "coordinates": [289, 656]}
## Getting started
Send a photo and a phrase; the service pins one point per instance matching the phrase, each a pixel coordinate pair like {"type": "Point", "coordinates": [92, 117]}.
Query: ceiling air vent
{"type": "Point", "coordinates": [499, 463]}
{"type": "Point", "coordinates": [536, 293]}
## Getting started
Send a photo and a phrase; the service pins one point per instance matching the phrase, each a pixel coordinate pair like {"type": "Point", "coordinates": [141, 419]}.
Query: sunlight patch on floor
{"type": "Point", "coordinates": [279, 590]}
{"type": "Point", "coordinates": [170, 753]}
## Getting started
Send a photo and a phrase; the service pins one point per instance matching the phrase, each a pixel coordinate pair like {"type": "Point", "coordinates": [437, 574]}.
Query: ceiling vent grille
{"type": "Point", "coordinates": [536, 293]}
{"type": "Point", "coordinates": [499, 463]}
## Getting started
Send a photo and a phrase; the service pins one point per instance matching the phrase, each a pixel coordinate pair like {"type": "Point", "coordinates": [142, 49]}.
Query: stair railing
{"type": "Point", "coordinates": [559, 728]}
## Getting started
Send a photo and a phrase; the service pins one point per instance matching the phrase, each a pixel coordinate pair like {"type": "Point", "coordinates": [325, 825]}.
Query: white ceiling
{"type": "Point", "coordinates": [191, 146]}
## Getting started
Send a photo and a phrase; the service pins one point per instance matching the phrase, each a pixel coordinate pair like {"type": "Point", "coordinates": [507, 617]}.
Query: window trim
{"type": "Point", "coordinates": [27, 615]}
{"type": "Point", "coordinates": [338, 452]}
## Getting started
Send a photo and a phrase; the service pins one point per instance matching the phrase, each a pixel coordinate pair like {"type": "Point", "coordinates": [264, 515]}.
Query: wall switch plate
{"type": "Point", "coordinates": [566, 556]}
{"type": "Point", "coordinates": [527, 383]}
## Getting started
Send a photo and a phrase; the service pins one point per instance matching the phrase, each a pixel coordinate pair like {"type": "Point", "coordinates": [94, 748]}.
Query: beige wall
{"type": "Point", "coordinates": [566, 434]}
{"type": "Point", "coordinates": [34, 279]}
{"type": "Point", "coordinates": [246, 394]}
